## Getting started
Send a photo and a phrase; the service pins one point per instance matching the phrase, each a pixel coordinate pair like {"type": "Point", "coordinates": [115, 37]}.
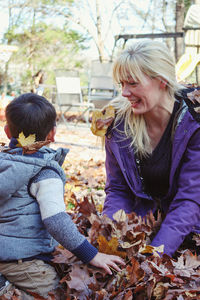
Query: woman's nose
{"type": "Point", "coordinates": [126, 90]}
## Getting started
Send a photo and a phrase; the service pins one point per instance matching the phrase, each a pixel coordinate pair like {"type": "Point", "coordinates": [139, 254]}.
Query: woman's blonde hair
{"type": "Point", "coordinates": [143, 58]}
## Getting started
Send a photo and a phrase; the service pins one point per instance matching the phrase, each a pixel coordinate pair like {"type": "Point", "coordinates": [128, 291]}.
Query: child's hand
{"type": "Point", "coordinates": [105, 261]}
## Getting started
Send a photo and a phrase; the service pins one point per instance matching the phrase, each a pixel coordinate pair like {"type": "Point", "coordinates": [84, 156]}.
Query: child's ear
{"type": "Point", "coordinates": [51, 135]}
{"type": "Point", "coordinates": [7, 131]}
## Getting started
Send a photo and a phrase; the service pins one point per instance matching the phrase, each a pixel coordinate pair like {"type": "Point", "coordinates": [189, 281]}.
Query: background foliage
{"type": "Point", "coordinates": [54, 34]}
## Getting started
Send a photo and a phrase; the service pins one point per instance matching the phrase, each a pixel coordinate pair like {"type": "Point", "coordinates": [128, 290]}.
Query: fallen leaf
{"type": "Point", "coordinates": [134, 272]}
{"type": "Point", "coordinates": [80, 278]}
{"type": "Point", "coordinates": [62, 255]}
{"type": "Point", "coordinates": [194, 96]}
{"type": "Point", "coordinates": [86, 207]}
{"type": "Point", "coordinates": [196, 238]}
{"type": "Point", "coordinates": [160, 290]}
{"type": "Point", "coordinates": [110, 247]}
{"type": "Point", "coordinates": [120, 216]}
{"type": "Point", "coordinates": [101, 120]}
{"type": "Point", "coordinates": [128, 295]}
{"type": "Point", "coordinates": [152, 250]}
{"type": "Point", "coordinates": [186, 265]}
{"type": "Point", "coordinates": [24, 141]}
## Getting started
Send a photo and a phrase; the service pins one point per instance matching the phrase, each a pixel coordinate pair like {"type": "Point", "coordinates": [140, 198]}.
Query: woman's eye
{"type": "Point", "coordinates": [122, 84]}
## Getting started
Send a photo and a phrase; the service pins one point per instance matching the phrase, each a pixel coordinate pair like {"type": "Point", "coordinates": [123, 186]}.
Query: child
{"type": "Point", "coordinates": [32, 209]}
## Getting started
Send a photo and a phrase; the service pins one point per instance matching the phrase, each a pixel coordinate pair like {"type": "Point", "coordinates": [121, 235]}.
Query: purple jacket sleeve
{"type": "Point", "coordinates": [184, 211]}
{"type": "Point", "coordinates": [118, 194]}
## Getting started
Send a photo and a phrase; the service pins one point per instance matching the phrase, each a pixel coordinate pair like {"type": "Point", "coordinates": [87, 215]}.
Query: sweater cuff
{"type": "Point", "coordinates": [85, 252]}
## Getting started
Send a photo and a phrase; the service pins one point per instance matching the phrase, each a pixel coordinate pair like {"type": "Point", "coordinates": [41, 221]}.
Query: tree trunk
{"type": "Point", "coordinates": [100, 44]}
{"type": "Point", "coordinates": [179, 17]}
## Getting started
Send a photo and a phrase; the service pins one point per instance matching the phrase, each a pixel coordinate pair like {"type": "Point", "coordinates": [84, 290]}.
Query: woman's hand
{"type": "Point", "coordinates": [105, 261]}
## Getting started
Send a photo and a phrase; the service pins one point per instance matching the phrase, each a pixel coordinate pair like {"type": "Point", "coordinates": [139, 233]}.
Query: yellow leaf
{"type": "Point", "coordinates": [72, 187]}
{"type": "Point", "coordinates": [152, 250]}
{"type": "Point", "coordinates": [25, 141]}
{"type": "Point", "coordinates": [101, 120]}
{"type": "Point", "coordinates": [110, 247]}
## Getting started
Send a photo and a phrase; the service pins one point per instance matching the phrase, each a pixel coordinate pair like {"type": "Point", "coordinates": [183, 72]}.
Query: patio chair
{"type": "Point", "coordinates": [101, 88]}
{"type": "Point", "coordinates": [69, 94]}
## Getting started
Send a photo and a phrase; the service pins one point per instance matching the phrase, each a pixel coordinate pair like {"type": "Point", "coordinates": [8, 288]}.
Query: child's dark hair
{"type": "Point", "coordinates": [30, 114]}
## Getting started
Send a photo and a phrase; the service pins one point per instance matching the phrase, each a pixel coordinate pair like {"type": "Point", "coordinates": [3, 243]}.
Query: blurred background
{"type": "Point", "coordinates": [38, 37]}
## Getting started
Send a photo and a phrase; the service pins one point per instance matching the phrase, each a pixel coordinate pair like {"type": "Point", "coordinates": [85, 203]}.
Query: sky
{"type": "Point", "coordinates": [106, 6]}
{"type": "Point", "coordinates": [131, 24]}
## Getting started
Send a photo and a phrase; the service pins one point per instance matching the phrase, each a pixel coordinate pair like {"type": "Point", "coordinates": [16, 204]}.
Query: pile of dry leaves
{"type": "Point", "coordinates": [146, 275]}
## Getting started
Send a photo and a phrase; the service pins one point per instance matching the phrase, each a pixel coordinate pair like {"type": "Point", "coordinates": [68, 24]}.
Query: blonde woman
{"type": "Point", "coordinates": [153, 145]}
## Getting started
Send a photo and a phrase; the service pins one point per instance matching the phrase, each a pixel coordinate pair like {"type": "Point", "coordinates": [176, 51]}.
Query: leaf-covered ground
{"type": "Point", "coordinates": [146, 276]}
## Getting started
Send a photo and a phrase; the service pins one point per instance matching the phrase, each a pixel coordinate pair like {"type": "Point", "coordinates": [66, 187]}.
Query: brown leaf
{"type": "Point", "coordinates": [194, 96]}
{"type": "Point", "coordinates": [196, 238]}
{"type": "Point", "coordinates": [102, 294]}
{"type": "Point", "coordinates": [36, 296]}
{"type": "Point", "coordinates": [153, 222]}
{"type": "Point", "coordinates": [160, 290]}
{"type": "Point", "coordinates": [62, 256]}
{"type": "Point", "coordinates": [32, 148]}
{"type": "Point", "coordinates": [86, 207]}
{"type": "Point", "coordinates": [128, 295]}
{"type": "Point", "coordinates": [134, 272]}
{"type": "Point", "coordinates": [80, 278]}
{"type": "Point", "coordinates": [3, 147]}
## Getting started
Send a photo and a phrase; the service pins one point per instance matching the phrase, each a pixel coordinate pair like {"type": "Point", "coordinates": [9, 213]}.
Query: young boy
{"type": "Point", "coordinates": [32, 209]}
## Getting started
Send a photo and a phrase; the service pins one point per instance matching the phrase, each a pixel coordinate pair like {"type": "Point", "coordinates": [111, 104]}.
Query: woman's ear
{"type": "Point", "coordinates": [7, 131]}
{"type": "Point", "coordinates": [163, 83]}
{"type": "Point", "coordinates": [51, 135]}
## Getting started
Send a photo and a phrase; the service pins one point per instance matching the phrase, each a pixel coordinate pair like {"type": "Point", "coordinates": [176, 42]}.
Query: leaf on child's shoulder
{"type": "Point", "coordinates": [29, 145]}
{"type": "Point", "coordinates": [24, 141]}
{"type": "Point", "coordinates": [110, 247]}
{"type": "Point", "coordinates": [32, 148]}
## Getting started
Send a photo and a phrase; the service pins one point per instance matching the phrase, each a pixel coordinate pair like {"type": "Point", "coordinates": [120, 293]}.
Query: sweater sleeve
{"type": "Point", "coordinates": [48, 191]}
{"type": "Point", "coordinates": [183, 215]}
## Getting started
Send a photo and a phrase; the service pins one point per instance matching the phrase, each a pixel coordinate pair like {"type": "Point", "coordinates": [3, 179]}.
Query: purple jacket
{"type": "Point", "coordinates": [181, 205]}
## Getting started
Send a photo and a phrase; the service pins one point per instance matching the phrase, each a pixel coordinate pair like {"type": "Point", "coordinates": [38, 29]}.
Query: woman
{"type": "Point", "coordinates": [153, 145]}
